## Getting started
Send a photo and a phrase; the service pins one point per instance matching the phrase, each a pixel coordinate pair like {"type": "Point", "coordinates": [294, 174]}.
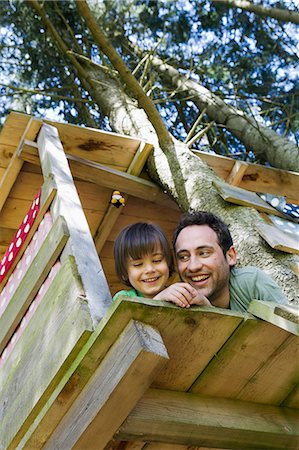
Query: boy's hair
{"type": "Point", "coordinates": [136, 241]}
{"type": "Point", "coordinates": [205, 218]}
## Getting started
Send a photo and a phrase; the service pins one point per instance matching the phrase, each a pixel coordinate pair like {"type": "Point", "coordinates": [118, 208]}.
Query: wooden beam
{"type": "Point", "coordinates": [183, 418]}
{"type": "Point", "coordinates": [118, 383]}
{"type": "Point", "coordinates": [278, 239]}
{"type": "Point", "coordinates": [257, 178]}
{"type": "Point", "coordinates": [32, 280]}
{"type": "Point", "coordinates": [266, 311]}
{"type": "Point", "coordinates": [86, 170]}
{"type": "Point", "coordinates": [15, 165]}
{"type": "Point", "coordinates": [67, 204]}
{"type": "Point", "coordinates": [238, 196]}
{"type": "Point", "coordinates": [289, 312]}
{"type": "Point", "coordinates": [113, 213]}
{"type": "Point", "coordinates": [237, 172]}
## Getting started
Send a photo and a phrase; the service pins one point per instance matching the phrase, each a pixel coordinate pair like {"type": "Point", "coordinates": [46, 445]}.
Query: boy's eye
{"type": "Point", "coordinates": [158, 260]}
{"type": "Point", "coordinates": [137, 264]}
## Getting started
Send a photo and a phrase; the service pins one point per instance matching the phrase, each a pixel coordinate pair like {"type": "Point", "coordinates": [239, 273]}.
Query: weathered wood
{"type": "Point", "coordinates": [39, 361]}
{"type": "Point", "coordinates": [238, 361]}
{"type": "Point", "coordinates": [67, 203]}
{"type": "Point", "coordinates": [15, 165]}
{"type": "Point", "coordinates": [237, 172]}
{"type": "Point", "coordinates": [33, 279]}
{"type": "Point", "coordinates": [277, 238]}
{"type": "Point", "coordinates": [242, 197]}
{"type": "Point", "coordinates": [102, 406]}
{"type": "Point", "coordinates": [48, 192]}
{"type": "Point", "coordinates": [257, 178]}
{"type": "Point", "coordinates": [183, 418]}
{"type": "Point", "coordinates": [266, 311]}
{"type": "Point", "coordinates": [113, 213]}
{"type": "Point", "coordinates": [112, 178]}
{"type": "Point", "coordinates": [278, 377]}
{"type": "Point", "coordinates": [289, 312]}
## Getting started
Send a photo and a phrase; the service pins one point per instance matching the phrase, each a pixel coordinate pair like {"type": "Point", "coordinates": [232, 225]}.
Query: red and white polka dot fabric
{"type": "Point", "coordinates": [19, 237]}
{"type": "Point", "coordinates": [16, 277]}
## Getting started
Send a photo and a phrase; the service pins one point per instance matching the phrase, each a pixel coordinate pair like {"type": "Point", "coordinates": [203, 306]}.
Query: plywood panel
{"type": "Point", "coordinates": [278, 239]}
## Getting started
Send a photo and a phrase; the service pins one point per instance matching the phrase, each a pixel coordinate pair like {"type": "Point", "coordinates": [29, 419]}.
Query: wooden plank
{"type": "Point", "coordinates": [242, 197]}
{"type": "Point", "coordinates": [257, 178]}
{"type": "Point", "coordinates": [87, 170]}
{"type": "Point", "coordinates": [103, 404]}
{"type": "Point", "coordinates": [15, 165]}
{"type": "Point", "coordinates": [113, 213]}
{"type": "Point", "coordinates": [277, 239]}
{"type": "Point", "coordinates": [38, 361]}
{"type": "Point", "coordinates": [237, 172]}
{"type": "Point", "coordinates": [278, 377]}
{"type": "Point", "coordinates": [240, 359]}
{"type": "Point", "coordinates": [183, 418]}
{"type": "Point", "coordinates": [289, 312]}
{"type": "Point", "coordinates": [33, 279]}
{"type": "Point", "coordinates": [266, 311]}
{"type": "Point", "coordinates": [191, 337]}
{"type": "Point", "coordinates": [48, 192]}
{"type": "Point", "coordinates": [67, 203]}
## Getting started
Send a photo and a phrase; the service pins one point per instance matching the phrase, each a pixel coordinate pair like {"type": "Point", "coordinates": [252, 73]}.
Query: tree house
{"type": "Point", "coordinates": [77, 371]}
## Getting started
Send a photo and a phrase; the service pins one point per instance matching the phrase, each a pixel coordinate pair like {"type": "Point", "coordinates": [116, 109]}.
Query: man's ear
{"type": "Point", "coordinates": [231, 256]}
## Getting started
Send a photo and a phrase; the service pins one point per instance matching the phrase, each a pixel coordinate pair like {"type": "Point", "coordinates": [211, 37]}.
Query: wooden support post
{"type": "Point", "coordinates": [183, 418]}
{"type": "Point", "coordinates": [126, 372]}
{"type": "Point", "coordinates": [67, 203]}
{"type": "Point", "coordinates": [237, 172]}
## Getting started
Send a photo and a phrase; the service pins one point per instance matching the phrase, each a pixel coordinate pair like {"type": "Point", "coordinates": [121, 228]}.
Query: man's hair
{"type": "Point", "coordinates": [205, 218]}
{"type": "Point", "coordinates": [136, 241]}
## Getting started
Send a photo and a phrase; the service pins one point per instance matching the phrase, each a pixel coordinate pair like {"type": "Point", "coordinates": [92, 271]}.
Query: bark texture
{"type": "Point", "coordinates": [277, 150]}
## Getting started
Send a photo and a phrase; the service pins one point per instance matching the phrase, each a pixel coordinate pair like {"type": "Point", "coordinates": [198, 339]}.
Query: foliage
{"type": "Point", "coordinates": [248, 61]}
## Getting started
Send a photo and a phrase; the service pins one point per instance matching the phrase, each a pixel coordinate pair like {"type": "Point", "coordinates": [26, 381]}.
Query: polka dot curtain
{"type": "Point", "coordinates": [19, 237]}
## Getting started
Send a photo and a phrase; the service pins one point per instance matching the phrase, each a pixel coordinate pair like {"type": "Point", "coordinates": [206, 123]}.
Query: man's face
{"type": "Point", "coordinates": [202, 264]}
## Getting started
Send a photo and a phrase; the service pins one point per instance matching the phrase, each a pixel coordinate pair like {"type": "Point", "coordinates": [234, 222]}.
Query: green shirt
{"type": "Point", "coordinates": [128, 293]}
{"type": "Point", "coordinates": [250, 283]}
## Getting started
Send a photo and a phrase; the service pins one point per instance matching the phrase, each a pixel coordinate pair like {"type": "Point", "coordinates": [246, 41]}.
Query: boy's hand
{"type": "Point", "coordinates": [181, 294]}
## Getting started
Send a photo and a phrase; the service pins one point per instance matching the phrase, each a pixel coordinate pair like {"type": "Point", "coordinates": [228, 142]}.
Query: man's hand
{"type": "Point", "coordinates": [183, 295]}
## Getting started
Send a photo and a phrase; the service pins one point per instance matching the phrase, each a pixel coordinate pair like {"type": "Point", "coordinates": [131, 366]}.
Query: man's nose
{"type": "Point", "coordinates": [194, 263]}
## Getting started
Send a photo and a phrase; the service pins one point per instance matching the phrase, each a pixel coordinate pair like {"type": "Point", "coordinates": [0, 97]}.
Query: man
{"type": "Point", "coordinates": [206, 258]}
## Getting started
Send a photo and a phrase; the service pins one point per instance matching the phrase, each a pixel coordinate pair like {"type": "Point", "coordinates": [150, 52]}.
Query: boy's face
{"type": "Point", "coordinates": [201, 263]}
{"type": "Point", "coordinates": [149, 274]}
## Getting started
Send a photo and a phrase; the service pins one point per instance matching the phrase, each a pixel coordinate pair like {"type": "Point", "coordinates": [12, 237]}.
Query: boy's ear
{"type": "Point", "coordinates": [231, 256]}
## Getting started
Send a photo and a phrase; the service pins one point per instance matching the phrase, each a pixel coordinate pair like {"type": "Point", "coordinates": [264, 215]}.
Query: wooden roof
{"type": "Point", "coordinates": [146, 374]}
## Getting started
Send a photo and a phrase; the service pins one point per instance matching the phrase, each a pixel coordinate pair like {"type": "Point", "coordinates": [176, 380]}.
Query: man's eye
{"type": "Point", "coordinates": [205, 253]}
{"type": "Point", "coordinates": [183, 258]}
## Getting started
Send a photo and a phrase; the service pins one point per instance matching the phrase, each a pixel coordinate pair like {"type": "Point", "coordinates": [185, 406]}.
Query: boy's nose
{"type": "Point", "coordinates": [149, 267]}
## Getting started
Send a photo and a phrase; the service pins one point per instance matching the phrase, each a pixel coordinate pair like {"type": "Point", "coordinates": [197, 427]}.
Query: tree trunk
{"type": "Point", "coordinates": [276, 13]}
{"type": "Point", "coordinates": [189, 181]}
